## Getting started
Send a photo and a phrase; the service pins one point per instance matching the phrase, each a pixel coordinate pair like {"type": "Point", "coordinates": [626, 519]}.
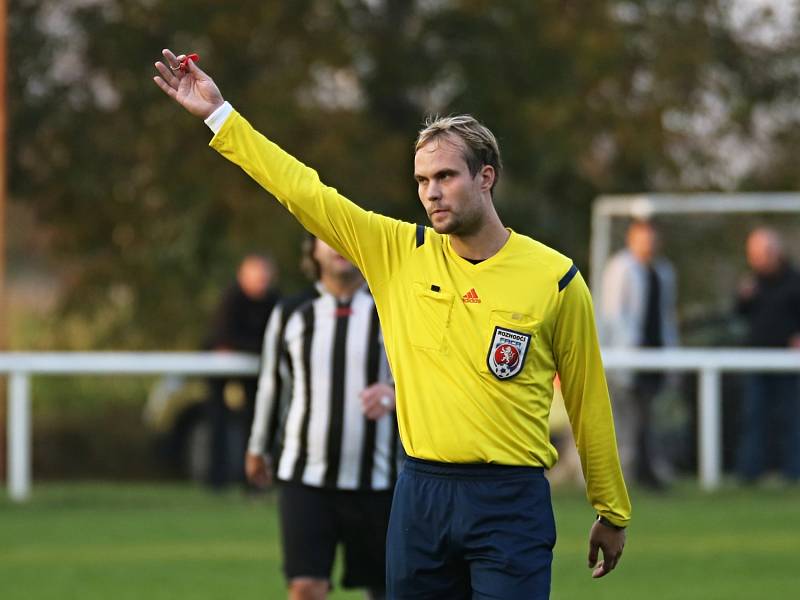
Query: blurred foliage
{"type": "Point", "coordinates": [145, 224]}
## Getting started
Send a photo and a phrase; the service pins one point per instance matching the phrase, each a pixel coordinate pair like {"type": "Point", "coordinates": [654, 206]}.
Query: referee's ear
{"type": "Point", "coordinates": [487, 177]}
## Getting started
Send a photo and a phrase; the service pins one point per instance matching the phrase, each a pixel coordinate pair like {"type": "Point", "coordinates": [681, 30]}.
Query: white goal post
{"type": "Point", "coordinates": [709, 363]}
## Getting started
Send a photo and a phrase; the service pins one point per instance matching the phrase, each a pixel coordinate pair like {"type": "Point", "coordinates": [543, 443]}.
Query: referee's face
{"type": "Point", "coordinates": [456, 201]}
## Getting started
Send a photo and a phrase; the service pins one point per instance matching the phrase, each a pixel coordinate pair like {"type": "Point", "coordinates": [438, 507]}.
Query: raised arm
{"type": "Point", "coordinates": [376, 244]}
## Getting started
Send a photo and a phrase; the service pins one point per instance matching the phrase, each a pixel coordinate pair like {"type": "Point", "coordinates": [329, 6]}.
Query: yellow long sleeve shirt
{"type": "Point", "coordinates": [474, 348]}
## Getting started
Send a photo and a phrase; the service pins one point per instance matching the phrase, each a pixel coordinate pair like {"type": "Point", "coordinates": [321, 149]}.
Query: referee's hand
{"type": "Point", "coordinates": [258, 469]}
{"type": "Point", "coordinates": [377, 400]}
{"type": "Point", "coordinates": [611, 542]}
{"type": "Point", "coordinates": [189, 87]}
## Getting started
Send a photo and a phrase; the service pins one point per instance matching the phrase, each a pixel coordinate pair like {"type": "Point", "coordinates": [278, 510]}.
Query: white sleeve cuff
{"type": "Point", "coordinates": [256, 444]}
{"type": "Point", "coordinates": [217, 119]}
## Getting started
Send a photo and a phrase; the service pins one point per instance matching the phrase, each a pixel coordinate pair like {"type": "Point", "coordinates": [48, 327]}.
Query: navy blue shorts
{"type": "Point", "coordinates": [470, 531]}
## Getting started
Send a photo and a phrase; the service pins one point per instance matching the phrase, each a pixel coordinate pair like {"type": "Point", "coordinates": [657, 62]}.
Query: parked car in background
{"type": "Point", "coordinates": [176, 411]}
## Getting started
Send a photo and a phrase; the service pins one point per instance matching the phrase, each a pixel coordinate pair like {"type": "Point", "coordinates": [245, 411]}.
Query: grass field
{"type": "Point", "coordinates": [92, 541]}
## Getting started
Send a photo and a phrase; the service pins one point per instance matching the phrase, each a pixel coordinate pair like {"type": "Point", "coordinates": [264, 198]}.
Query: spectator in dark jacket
{"type": "Point", "coordinates": [238, 326]}
{"type": "Point", "coordinates": [769, 298]}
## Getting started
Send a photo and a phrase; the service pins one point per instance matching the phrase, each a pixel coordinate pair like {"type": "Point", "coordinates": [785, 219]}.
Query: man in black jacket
{"type": "Point", "coordinates": [769, 298]}
{"type": "Point", "coordinates": [238, 326]}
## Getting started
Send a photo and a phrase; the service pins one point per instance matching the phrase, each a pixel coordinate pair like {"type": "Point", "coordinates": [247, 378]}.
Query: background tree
{"type": "Point", "coordinates": [145, 223]}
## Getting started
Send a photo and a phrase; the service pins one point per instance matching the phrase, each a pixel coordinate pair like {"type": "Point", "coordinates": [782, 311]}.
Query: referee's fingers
{"type": "Point", "coordinates": [600, 571]}
{"type": "Point", "coordinates": [594, 548]}
{"type": "Point", "coordinates": [609, 562]}
{"type": "Point", "coordinates": [167, 75]}
{"type": "Point", "coordinates": [171, 58]}
{"type": "Point", "coordinates": [197, 72]}
{"type": "Point", "coordinates": [165, 87]}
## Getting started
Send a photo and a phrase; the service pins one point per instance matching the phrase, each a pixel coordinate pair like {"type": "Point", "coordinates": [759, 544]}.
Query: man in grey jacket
{"type": "Point", "coordinates": [638, 311]}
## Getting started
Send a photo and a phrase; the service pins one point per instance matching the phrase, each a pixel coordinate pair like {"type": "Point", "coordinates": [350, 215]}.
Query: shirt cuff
{"type": "Point", "coordinates": [217, 119]}
{"type": "Point", "coordinates": [256, 444]}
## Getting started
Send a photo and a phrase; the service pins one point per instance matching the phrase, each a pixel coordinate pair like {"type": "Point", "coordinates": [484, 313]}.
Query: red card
{"type": "Point", "coordinates": [185, 62]}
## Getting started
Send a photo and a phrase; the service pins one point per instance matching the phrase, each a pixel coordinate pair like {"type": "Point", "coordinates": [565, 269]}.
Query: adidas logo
{"type": "Point", "coordinates": [471, 297]}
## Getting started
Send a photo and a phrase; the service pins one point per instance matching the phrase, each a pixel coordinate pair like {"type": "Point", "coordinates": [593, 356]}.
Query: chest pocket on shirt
{"type": "Point", "coordinates": [511, 339]}
{"type": "Point", "coordinates": [515, 320]}
{"type": "Point", "coordinates": [430, 317]}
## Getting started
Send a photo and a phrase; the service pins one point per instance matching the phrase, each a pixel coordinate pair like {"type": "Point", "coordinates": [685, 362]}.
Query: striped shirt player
{"type": "Point", "coordinates": [478, 320]}
{"type": "Point", "coordinates": [335, 445]}
{"type": "Point", "coordinates": [327, 351]}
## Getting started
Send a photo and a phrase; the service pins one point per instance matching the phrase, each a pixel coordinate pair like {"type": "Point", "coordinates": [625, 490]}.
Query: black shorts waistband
{"type": "Point", "coordinates": [469, 470]}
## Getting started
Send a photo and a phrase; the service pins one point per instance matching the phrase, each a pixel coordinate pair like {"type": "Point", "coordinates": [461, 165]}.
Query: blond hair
{"type": "Point", "coordinates": [480, 145]}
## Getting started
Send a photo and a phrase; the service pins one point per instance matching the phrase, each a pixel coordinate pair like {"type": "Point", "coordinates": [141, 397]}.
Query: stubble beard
{"type": "Point", "coordinates": [459, 225]}
{"type": "Point", "coordinates": [446, 228]}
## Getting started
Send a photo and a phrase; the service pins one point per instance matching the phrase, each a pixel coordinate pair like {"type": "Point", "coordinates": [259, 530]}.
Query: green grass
{"type": "Point", "coordinates": [733, 544]}
{"type": "Point", "coordinates": [127, 541]}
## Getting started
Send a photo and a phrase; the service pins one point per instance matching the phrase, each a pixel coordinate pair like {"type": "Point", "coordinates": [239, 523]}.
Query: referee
{"type": "Point", "coordinates": [477, 321]}
{"type": "Point", "coordinates": [336, 462]}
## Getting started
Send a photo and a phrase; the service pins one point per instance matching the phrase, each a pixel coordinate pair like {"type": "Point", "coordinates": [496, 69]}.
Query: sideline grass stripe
{"type": "Point", "coordinates": [97, 541]}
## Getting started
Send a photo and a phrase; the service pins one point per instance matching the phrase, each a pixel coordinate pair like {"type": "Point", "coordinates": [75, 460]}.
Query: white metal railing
{"type": "Point", "coordinates": [22, 366]}
{"type": "Point", "coordinates": [709, 363]}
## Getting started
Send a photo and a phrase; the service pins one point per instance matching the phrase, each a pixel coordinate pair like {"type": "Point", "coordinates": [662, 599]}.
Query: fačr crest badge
{"type": "Point", "coordinates": [507, 352]}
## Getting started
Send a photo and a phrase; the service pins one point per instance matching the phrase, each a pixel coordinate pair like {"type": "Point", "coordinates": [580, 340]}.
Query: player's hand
{"type": "Point", "coordinates": [611, 542]}
{"type": "Point", "coordinates": [258, 469]}
{"type": "Point", "coordinates": [377, 400]}
{"type": "Point", "coordinates": [192, 88]}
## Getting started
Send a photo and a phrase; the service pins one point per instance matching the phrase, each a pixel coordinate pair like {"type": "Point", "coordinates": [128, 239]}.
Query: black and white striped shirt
{"type": "Point", "coordinates": [327, 351]}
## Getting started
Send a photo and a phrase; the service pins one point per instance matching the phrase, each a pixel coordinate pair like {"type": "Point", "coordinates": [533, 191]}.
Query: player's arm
{"type": "Point", "coordinates": [258, 467]}
{"type": "Point", "coordinates": [585, 392]}
{"type": "Point", "coordinates": [373, 242]}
